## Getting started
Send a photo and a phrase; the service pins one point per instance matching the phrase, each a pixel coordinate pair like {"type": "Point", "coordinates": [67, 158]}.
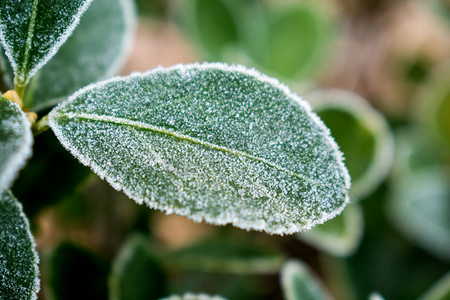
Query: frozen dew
{"type": "Point", "coordinates": [228, 145]}
{"type": "Point", "coordinates": [19, 271]}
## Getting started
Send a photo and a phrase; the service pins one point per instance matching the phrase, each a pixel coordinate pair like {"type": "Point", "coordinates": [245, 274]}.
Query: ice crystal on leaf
{"type": "Point", "coordinates": [212, 142]}
{"type": "Point", "coordinates": [31, 31]}
{"type": "Point", "coordinates": [19, 271]}
{"type": "Point", "coordinates": [15, 141]}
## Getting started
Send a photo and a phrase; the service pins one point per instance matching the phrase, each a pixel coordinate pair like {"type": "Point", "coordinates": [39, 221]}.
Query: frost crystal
{"type": "Point", "coordinates": [19, 271]}
{"type": "Point", "coordinates": [31, 31]}
{"type": "Point", "coordinates": [212, 142]}
{"type": "Point", "coordinates": [15, 141]}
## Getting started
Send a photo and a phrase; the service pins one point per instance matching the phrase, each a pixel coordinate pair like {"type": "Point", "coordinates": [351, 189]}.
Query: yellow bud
{"type": "Point", "coordinates": [14, 97]}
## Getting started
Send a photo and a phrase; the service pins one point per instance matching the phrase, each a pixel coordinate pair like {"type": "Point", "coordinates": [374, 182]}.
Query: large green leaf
{"type": "Point", "coordinates": [211, 142]}
{"type": "Point", "coordinates": [340, 236]}
{"type": "Point", "coordinates": [299, 283]}
{"type": "Point", "coordinates": [31, 31]}
{"type": "Point", "coordinates": [95, 50]}
{"type": "Point", "coordinates": [361, 132]}
{"type": "Point", "coordinates": [136, 273]}
{"type": "Point", "coordinates": [19, 270]}
{"type": "Point", "coordinates": [227, 255]}
{"type": "Point", "coordinates": [15, 141]}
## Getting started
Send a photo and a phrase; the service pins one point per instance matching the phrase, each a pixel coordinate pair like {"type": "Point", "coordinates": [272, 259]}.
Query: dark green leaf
{"type": "Point", "coordinates": [31, 31]}
{"type": "Point", "coordinates": [19, 270]}
{"type": "Point", "coordinates": [15, 141]}
{"type": "Point", "coordinates": [95, 50]}
{"type": "Point", "coordinates": [211, 142]}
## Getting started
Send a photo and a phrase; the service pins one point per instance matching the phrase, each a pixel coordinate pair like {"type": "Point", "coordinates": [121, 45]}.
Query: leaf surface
{"type": "Point", "coordinates": [95, 51]}
{"type": "Point", "coordinates": [19, 271]}
{"type": "Point", "coordinates": [15, 141]}
{"type": "Point", "coordinates": [31, 31]}
{"type": "Point", "coordinates": [299, 283]}
{"type": "Point", "coordinates": [211, 142]}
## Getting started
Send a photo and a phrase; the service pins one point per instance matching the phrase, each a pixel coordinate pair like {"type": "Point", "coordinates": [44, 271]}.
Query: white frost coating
{"type": "Point", "coordinates": [16, 238]}
{"type": "Point", "coordinates": [16, 146]}
{"type": "Point", "coordinates": [298, 282]}
{"type": "Point", "coordinates": [9, 51]}
{"type": "Point", "coordinates": [190, 296]}
{"type": "Point", "coordinates": [372, 120]}
{"type": "Point", "coordinates": [255, 177]}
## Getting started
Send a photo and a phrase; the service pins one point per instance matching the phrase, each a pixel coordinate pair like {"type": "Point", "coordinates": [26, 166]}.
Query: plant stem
{"type": "Point", "coordinates": [40, 126]}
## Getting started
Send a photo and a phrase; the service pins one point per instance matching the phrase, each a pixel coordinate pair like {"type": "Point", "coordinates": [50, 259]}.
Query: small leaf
{"type": "Point", "coordinates": [96, 50]}
{"type": "Point", "coordinates": [361, 132]}
{"type": "Point", "coordinates": [440, 290]}
{"type": "Point", "coordinates": [299, 283]}
{"type": "Point", "coordinates": [190, 296]}
{"type": "Point", "coordinates": [136, 273]}
{"type": "Point", "coordinates": [340, 236]}
{"type": "Point", "coordinates": [211, 142]}
{"type": "Point", "coordinates": [75, 273]}
{"type": "Point", "coordinates": [227, 255]}
{"type": "Point", "coordinates": [15, 141]}
{"type": "Point", "coordinates": [31, 31]}
{"type": "Point", "coordinates": [19, 270]}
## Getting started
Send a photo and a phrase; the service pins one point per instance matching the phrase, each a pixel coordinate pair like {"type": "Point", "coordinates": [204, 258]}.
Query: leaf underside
{"type": "Point", "coordinates": [15, 141]}
{"type": "Point", "coordinates": [211, 142]}
{"type": "Point", "coordinates": [19, 271]}
{"type": "Point", "coordinates": [31, 31]}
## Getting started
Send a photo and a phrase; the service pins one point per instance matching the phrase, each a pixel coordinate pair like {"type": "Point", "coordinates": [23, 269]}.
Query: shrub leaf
{"type": "Point", "coordinates": [211, 142]}
{"type": "Point", "coordinates": [95, 51]}
{"type": "Point", "coordinates": [15, 141]}
{"type": "Point", "coordinates": [19, 271]}
{"type": "Point", "coordinates": [31, 31]}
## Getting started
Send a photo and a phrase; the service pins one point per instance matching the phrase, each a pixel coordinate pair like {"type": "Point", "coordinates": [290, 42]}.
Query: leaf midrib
{"type": "Point", "coordinates": [142, 125]}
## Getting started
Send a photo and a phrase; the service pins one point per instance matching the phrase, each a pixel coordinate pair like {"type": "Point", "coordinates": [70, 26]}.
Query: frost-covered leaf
{"type": "Point", "coordinates": [6, 73]}
{"type": "Point", "coordinates": [419, 199]}
{"type": "Point", "coordinates": [190, 296]}
{"type": "Point", "coordinates": [362, 134]}
{"type": "Point", "coordinates": [74, 273]}
{"type": "Point", "coordinates": [136, 273]}
{"type": "Point", "coordinates": [340, 236]}
{"type": "Point", "coordinates": [211, 142]}
{"type": "Point", "coordinates": [96, 50]}
{"type": "Point", "coordinates": [19, 270]}
{"type": "Point", "coordinates": [440, 290]}
{"type": "Point", "coordinates": [227, 255]}
{"type": "Point", "coordinates": [299, 283]}
{"type": "Point", "coordinates": [31, 31]}
{"type": "Point", "coordinates": [15, 141]}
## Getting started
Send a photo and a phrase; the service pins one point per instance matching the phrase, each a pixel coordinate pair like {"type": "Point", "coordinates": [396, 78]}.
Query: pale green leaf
{"type": "Point", "coordinates": [136, 273]}
{"type": "Point", "coordinates": [340, 236]}
{"type": "Point", "coordinates": [15, 141]}
{"type": "Point", "coordinates": [299, 283]}
{"type": "Point", "coordinates": [31, 31]}
{"type": "Point", "coordinates": [361, 132]}
{"type": "Point", "coordinates": [226, 255]}
{"type": "Point", "coordinates": [190, 296]}
{"type": "Point", "coordinates": [95, 51]}
{"type": "Point", "coordinates": [19, 270]}
{"type": "Point", "coordinates": [440, 290]}
{"type": "Point", "coordinates": [212, 142]}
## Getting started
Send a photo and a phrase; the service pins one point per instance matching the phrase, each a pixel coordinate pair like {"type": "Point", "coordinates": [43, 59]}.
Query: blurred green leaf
{"type": "Point", "coordinates": [226, 255]}
{"type": "Point", "coordinates": [440, 290]}
{"type": "Point", "coordinates": [15, 141]}
{"type": "Point", "coordinates": [31, 31]}
{"type": "Point", "coordinates": [375, 296]}
{"type": "Point", "coordinates": [96, 50]}
{"type": "Point", "coordinates": [212, 142]}
{"type": "Point", "coordinates": [339, 236]}
{"type": "Point", "coordinates": [73, 272]}
{"type": "Point", "coordinates": [361, 132]}
{"type": "Point", "coordinates": [19, 270]}
{"type": "Point", "coordinates": [299, 283]}
{"type": "Point", "coordinates": [190, 296]}
{"type": "Point", "coordinates": [136, 273]}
